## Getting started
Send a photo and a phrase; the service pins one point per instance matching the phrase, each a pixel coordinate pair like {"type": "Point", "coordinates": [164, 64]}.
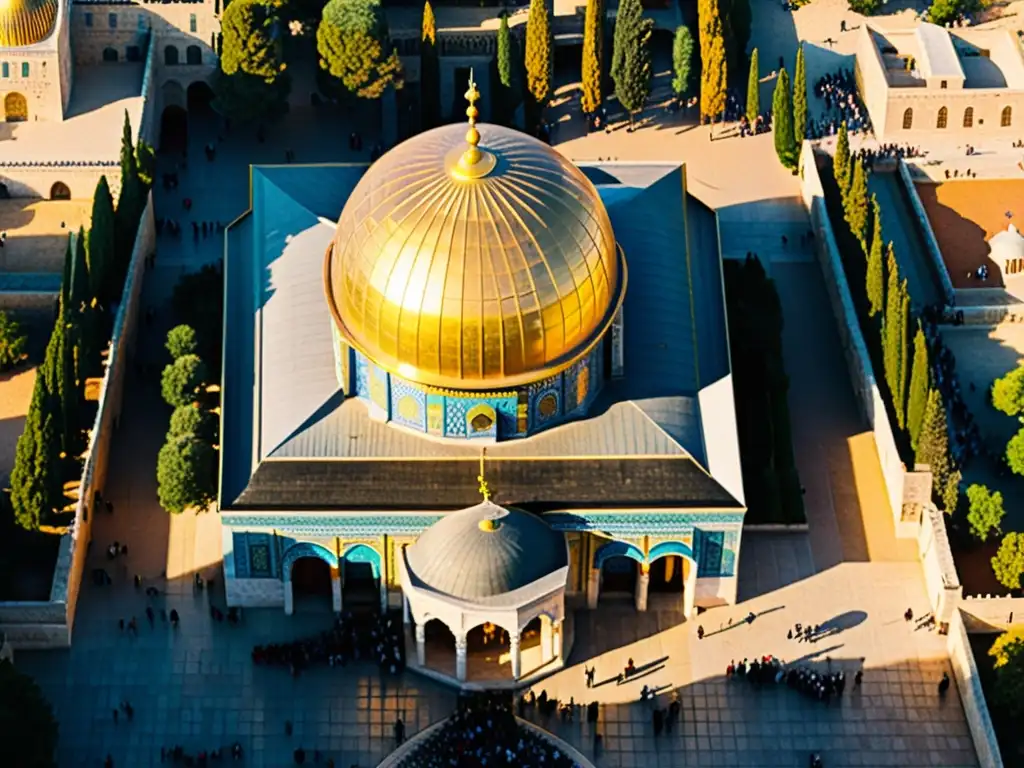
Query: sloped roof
{"type": "Point", "coordinates": [938, 56]}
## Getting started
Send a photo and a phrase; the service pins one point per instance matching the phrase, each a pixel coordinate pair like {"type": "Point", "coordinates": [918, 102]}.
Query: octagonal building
{"type": "Point", "coordinates": [483, 318]}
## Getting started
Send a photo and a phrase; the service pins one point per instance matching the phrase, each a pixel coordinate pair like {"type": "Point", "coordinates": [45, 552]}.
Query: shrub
{"type": "Point", "coordinates": [190, 421]}
{"type": "Point", "coordinates": [185, 474]}
{"type": "Point", "coordinates": [12, 342]}
{"type": "Point", "coordinates": [181, 341]}
{"type": "Point", "coordinates": [181, 380]}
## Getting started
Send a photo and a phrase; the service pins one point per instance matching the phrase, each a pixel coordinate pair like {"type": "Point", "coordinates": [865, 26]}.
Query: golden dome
{"type": "Point", "coordinates": [471, 268]}
{"type": "Point", "coordinates": [26, 22]}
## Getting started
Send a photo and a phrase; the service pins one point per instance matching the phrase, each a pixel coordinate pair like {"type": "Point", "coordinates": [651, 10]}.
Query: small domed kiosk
{"type": "Point", "coordinates": [1006, 249]}
{"type": "Point", "coordinates": [484, 573]}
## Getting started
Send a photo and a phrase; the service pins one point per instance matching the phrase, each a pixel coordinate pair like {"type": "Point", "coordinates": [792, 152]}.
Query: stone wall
{"type": "Point", "coordinates": [965, 671]}
{"type": "Point", "coordinates": [940, 576]}
{"type": "Point", "coordinates": [49, 625]}
{"type": "Point", "coordinates": [988, 613]}
{"type": "Point", "coordinates": [862, 376]}
{"type": "Point", "coordinates": [254, 593]}
{"type": "Point", "coordinates": [36, 181]}
{"type": "Point", "coordinates": [931, 244]}
{"type": "Point", "coordinates": [27, 301]}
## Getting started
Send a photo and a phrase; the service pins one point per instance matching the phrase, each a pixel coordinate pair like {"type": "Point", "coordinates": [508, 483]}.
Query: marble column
{"type": "Point", "coordinates": [336, 590]}
{"type": "Point", "coordinates": [642, 582]}
{"type": "Point", "coordinates": [593, 587]}
{"type": "Point", "coordinates": [517, 661]}
{"type": "Point", "coordinates": [421, 645]}
{"type": "Point", "coordinates": [547, 650]}
{"type": "Point", "coordinates": [556, 640]}
{"type": "Point", "coordinates": [689, 586]}
{"type": "Point", "coordinates": [460, 658]}
{"type": "Point", "coordinates": [289, 600]}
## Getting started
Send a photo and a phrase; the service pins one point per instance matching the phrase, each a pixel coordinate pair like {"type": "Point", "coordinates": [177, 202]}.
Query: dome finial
{"type": "Point", "coordinates": [485, 489]}
{"type": "Point", "coordinates": [474, 163]}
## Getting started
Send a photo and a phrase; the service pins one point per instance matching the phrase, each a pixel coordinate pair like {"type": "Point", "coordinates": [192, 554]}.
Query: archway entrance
{"type": "Point", "coordinates": [360, 590]}
{"type": "Point", "coordinates": [15, 108]}
{"type": "Point", "coordinates": [60, 191]}
{"type": "Point", "coordinates": [311, 584]}
{"type": "Point", "coordinates": [173, 130]}
{"type": "Point", "coordinates": [667, 583]}
{"type": "Point", "coordinates": [440, 647]}
{"type": "Point", "coordinates": [199, 97]}
{"type": "Point", "coordinates": [488, 653]}
{"type": "Point", "coordinates": [618, 578]}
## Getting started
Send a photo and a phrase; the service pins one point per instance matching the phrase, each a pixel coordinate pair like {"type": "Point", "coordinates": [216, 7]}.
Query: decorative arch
{"type": "Point", "coordinates": [305, 549]}
{"type": "Point", "coordinates": [110, 55]}
{"type": "Point", "coordinates": [60, 191]}
{"type": "Point", "coordinates": [942, 119]}
{"type": "Point", "coordinates": [364, 553]}
{"type": "Point", "coordinates": [481, 419]}
{"type": "Point", "coordinates": [908, 119]}
{"type": "Point", "coordinates": [1006, 117]}
{"type": "Point", "coordinates": [171, 56]}
{"type": "Point", "coordinates": [670, 548]}
{"type": "Point", "coordinates": [193, 55]}
{"type": "Point", "coordinates": [969, 117]}
{"type": "Point", "coordinates": [172, 94]}
{"type": "Point", "coordinates": [618, 549]}
{"type": "Point", "coordinates": [15, 108]}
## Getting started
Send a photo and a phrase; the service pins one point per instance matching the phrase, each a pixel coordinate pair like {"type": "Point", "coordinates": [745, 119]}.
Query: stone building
{"type": "Point", "coordinates": [466, 327]}
{"type": "Point", "coordinates": [930, 82]}
{"type": "Point", "coordinates": [70, 69]}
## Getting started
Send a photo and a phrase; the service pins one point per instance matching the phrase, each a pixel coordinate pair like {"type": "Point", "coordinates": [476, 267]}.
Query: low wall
{"type": "Point", "coordinates": [985, 613]}
{"type": "Point", "coordinates": [49, 625]}
{"type": "Point", "coordinates": [940, 576]}
{"type": "Point", "coordinates": [931, 244]}
{"type": "Point", "coordinates": [965, 670]}
{"type": "Point", "coordinates": [862, 376]}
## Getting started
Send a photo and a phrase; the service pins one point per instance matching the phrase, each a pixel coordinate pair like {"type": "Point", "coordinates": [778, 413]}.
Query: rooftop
{"type": "Point", "coordinates": [292, 439]}
{"type": "Point", "coordinates": [37, 231]}
{"type": "Point", "coordinates": [91, 130]}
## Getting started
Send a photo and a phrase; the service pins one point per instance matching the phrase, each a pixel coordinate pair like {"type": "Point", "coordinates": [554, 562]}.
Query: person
{"type": "Point", "coordinates": [630, 667]}
{"type": "Point", "coordinates": [700, 632]}
{"type": "Point", "coordinates": [816, 760]}
{"type": "Point", "coordinates": [399, 731]}
{"type": "Point", "coordinates": [750, 617]}
{"type": "Point", "coordinates": [149, 615]}
{"type": "Point", "coordinates": [300, 756]}
{"type": "Point", "coordinates": [944, 684]}
{"type": "Point", "coordinates": [908, 615]}
{"type": "Point", "coordinates": [109, 762]}
{"type": "Point", "coordinates": [174, 617]}
{"type": "Point", "coordinates": [858, 678]}
{"type": "Point", "coordinates": [659, 722]}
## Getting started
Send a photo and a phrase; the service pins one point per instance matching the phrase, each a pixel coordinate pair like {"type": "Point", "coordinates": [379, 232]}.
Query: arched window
{"type": "Point", "coordinates": [193, 55]}
{"type": "Point", "coordinates": [109, 54]}
{"type": "Point", "coordinates": [60, 191]}
{"type": "Point", "coordinates": [908, 119]}
{"type": "Point", "coordinates": [170, 56]}
{"type": "Point", "coordinates": [1006, 119]}
{"type": "Point", "coordinates": [943, 118]}
{"type": "Point", "coordinates": [969, 117]}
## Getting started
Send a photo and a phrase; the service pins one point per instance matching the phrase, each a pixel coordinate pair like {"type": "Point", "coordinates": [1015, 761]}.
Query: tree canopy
{"type": "Point", "coordinates": [12, 342]}
{"type": "Point", "coordinates": [539, 54]}
{"type": "Point", "coordinates": [874, 275]}
{"type": "Point", "coordinates": [713, 76]}
{"type": "Point", "coordinates": [182, 379]}
{"type": "Point", "coordinates": [800, 98]}
{"type": "Point", "coordinates": [186, 474]}
{"type": "Point", "coordinates": [250, 44]}
{"type": "Point", "coordinates": [985, 515]}
{"type": "Point", "coordinates": [753, 90]}
{"type": "Point", "coordinates": [100, 251]}
{"type": "Point", "coordinates": [28, 729]}
{"type": "Point", "coordinates": [1008, 392]}
{"type": "Point", "coordinates": [181, 341]}
{"type": "Point", "coordinates": [593, 57]}
{"type": "Point", "coordinates": [1008, 564]}
{"type": "Point", "coordinates": [430, 75]}
{"type": "Point", "coordinates": [633, 55]}
{"type": "Point", "coordinates": [782, 127]}
{"type": "Point", "coordinates": [190, 421]}
{"type": "Point", "coordinates": [355, 47]}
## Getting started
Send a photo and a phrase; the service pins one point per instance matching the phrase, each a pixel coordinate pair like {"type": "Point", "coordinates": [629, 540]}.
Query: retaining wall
{"type": "Point", "coordinates": [987, 613]}
{"type": "Point", "coordinates": [973, 698]}
{"type": "Point", "coordinates": [49, 625]}
{"type": "Point", "coordinates": [931, 244]}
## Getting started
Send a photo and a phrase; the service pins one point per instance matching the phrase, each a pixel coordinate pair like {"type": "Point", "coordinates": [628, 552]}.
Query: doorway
{"type": "Point", "coordinates": [311, 584]}
{"type": "Point", "coordinates": [618, 577]}
{"type": "Point", "coordinates": [15, 108]}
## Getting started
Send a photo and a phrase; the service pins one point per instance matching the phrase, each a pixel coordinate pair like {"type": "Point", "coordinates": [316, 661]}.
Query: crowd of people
{"type": "Point", "coordinates": [769, 670]}
{"type": "Point", "coordinates": [886, 153]}
{"type": "Point", "coordinates": [484, 732]}
{"type": "Point", "coordinates": [352, 638]}
{"type": "Point", "coordinates": [842, 105]}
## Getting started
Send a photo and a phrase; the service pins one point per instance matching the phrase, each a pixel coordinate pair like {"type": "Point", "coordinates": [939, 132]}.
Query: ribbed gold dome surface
{"type": "Point", "coordinates": [26, 22]}
{"type": "Point", "coordinates": [474, 279]}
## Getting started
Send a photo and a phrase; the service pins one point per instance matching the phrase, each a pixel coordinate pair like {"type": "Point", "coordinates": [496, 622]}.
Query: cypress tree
{"type": "Point", "coordinates": [593, 57]}
{"type": "Point", "coordinates": [712, 56]}
{"type": "Point", "coordinates": [856, 204]}
{"type": "Point", "coordinates": [900, 395]}
{"type": "Point", "coordinates": [933, 442]}
{"type": "Point", "coordinates": [919, 381]}
{"type": "Point", "coordinates": [782, 116]}
{"type": "Point", "coordinates": [875, 274]}
{"type": "Point", "coordinates": [78, 293]}
{"type": "Point", "coordinates": [430, 79]}
{"type": "Point", "coordinates": [32, 478]}
{"type": "Point", "coordinates": [682, 61]}
{"type": "Point", "coordinates": [539, 58]}
{"type": "Point", "coordinates": [800, 98]}
{"type": "Point", "coordinates": [129, 207]}
{"type": "Point", "coordinates": [65, 280]}
{"type": "Point", "coordinates": [841, 161]}
{"type": "Point", "coordinates": [890, 324]}
{"type": "Point", "coordinates": [101, 242]}
{"type": "Point", "coordinates": [58, 371]}
{"type": "Point", "coordinates": [633, 37]}
{"type": "Point", "coordinates": [753, 90]}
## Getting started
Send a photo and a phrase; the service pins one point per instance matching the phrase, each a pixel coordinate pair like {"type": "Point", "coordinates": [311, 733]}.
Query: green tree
{"type": "Point", "coordinates": [1008, 392]}
{"type": "Point", "coordinates": [58, 371]}
{"type": "Point", "coordinates": [920, 380]}
{"type": "Point", "coordinates": [713, 76]}
{"type": "Point", "coordinates": [190, 421]}
{"type": "Point", "coordinates": [902, 344]}
{"type": "Point", "coordinates": [28, 729]}
{"type": "Point", "coordinates": [181, 341]}
{"type": "Point", "coordinates": [78, 293]}
{"type": "Point", "coordinates": [985, 515]}
{"type": "Point", "coordinates": [355, 47]}
{"type": "Point", "coordinates": [13, 341]}
{"type": "Point", "coordinates": [943, 12]}
{"type": "Point", "coordinates": [682, 60]}
{"type": "Point", "coordinates": [856, 204]}
{"type": "Point", "coordinates": [185, 474]}
{"type": "Point", "coordinates": [539, 55]}
{"type": "Point", "coordinates": [1008, 691]}
{"type": "Point", "coordinates": [1015, 453]}
{"type": "Point", "coordinates": [1008, 564]}
{"type": "Point", "coordinates": [890, 324]}
{"type": "Point", "coordinates": [130, 203]}
{"type": "Point", "coordinates": [874, 275]}
{"type": "Point", "coordinates": [182, 379]}
{"type": "Point", "coordinates": [430, 72]}
{"type": "Point", "coordinates": [800, 98]}
{"type": "Point", "coordinates": [951, 491]}
{"type": "Point", "coordinates": [100, 251]}
{"type": "Point", "coordinates": [35, 478]}
{"type": "Point", "coordinates": [782, 117]}
{"type": "Point", "coordinates": [145, 161]}
{"type": "Point", "coordinates": [865, 7]}
{"type": "Point", "coordinates": [933, 444]}
{"type": "Point", "coordinates": [753, 90]}
{"type": "Point", "coordinates": [633, 38]}
{"type": "Point", "coordinates": [252, 82]}
{"type": "Point", "coordinates": [841, 168]}
{"type": "Point", "coordinates": [509, 86]}
{"type": "Point", "coordinates": [65, 278]}
{"type": "Point", "coordinates": [593, 57]}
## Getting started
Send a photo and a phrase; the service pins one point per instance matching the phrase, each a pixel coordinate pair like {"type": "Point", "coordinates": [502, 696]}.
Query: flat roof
{"type": "Point", "coordinates": [284, 412]}
{"type": "Point", "coordinates": [91, 130]}
{"type": "Point", "coordinates": [37, 232]}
